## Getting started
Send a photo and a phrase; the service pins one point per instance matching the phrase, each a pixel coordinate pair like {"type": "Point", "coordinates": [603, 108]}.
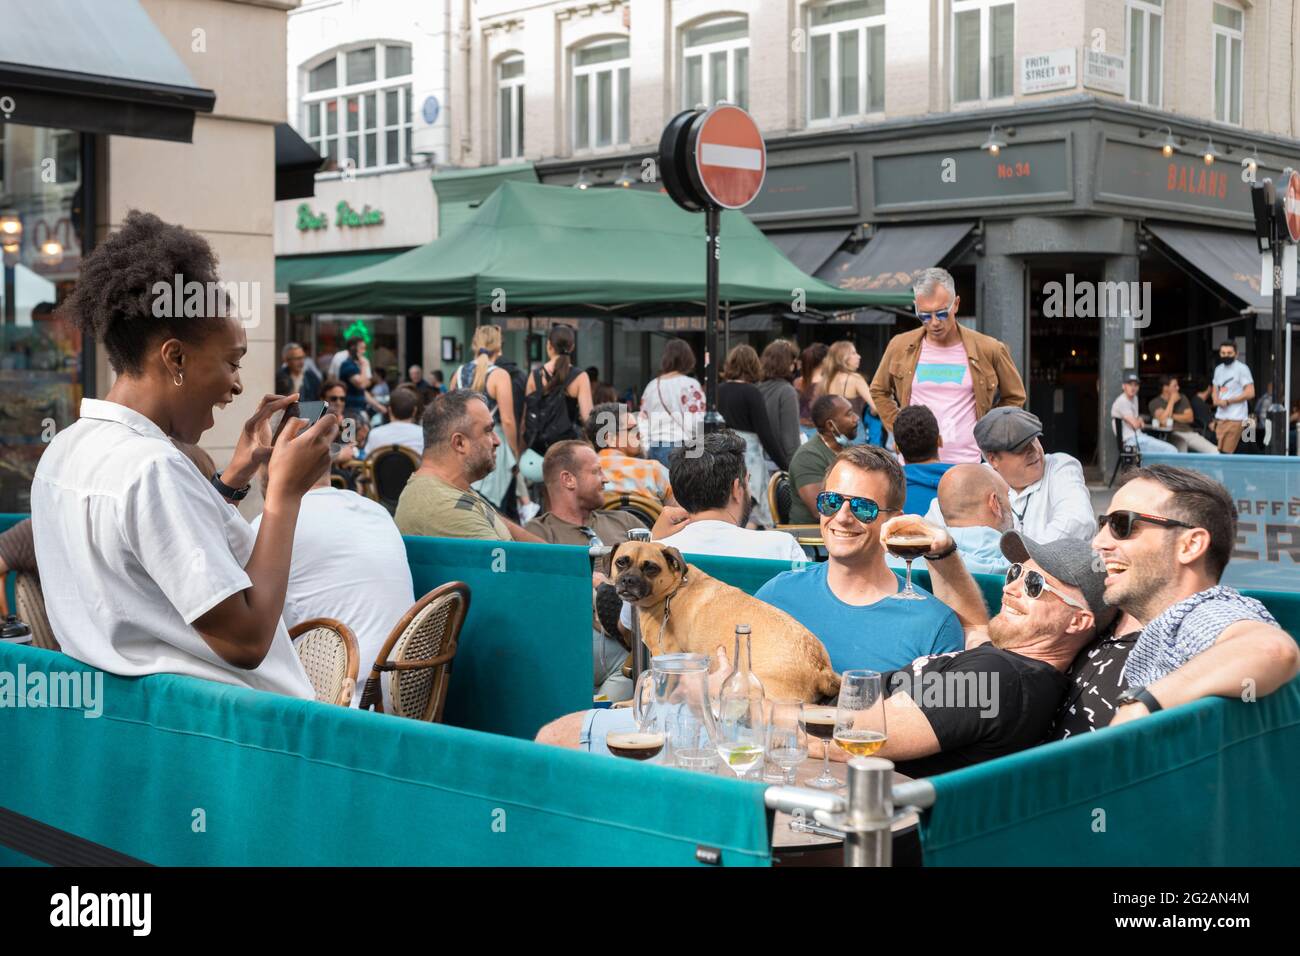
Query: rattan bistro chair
{"type": "Point", "coordinates": [29, 603]}
{"type": "Point", "coordinates": [778, 497]}
{"type": "Point", "coordinates": [389, 468]}
{"type": "Point", "coordinates": [418, 655]}
{"type": "Point", "coordinates": [329, 654]}
{"type": "Point", "coordinates": [644, 507]}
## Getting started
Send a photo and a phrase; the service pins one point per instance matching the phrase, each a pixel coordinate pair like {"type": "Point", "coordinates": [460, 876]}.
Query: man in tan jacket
{"type": "Point", "coordinates": [959, 374]}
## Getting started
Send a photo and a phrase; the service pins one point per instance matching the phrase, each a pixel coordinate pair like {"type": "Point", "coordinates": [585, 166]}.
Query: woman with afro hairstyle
{"type": "Point", "coordinates": [147, 566]}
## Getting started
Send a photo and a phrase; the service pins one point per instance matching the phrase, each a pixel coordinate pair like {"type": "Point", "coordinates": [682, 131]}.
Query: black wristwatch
{"type": "Point", "coordinates": [227, 492]}
{"type": "Point", "coordinates": [946, 552]}
{"type": "Point", "coordinates": [1138, 695]}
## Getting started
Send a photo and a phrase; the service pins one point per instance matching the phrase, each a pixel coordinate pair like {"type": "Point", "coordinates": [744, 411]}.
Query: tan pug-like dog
{"type": "Point", "coordinates": [683, 610]}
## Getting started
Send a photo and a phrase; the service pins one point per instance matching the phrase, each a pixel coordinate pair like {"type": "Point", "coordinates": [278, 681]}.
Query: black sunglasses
{"type": "Point", "coordinates": [865, 510]}
{"type": "Point", "coordinates": [1121, 522]}
{"type": "Point", "coordinates": [1035, 585]}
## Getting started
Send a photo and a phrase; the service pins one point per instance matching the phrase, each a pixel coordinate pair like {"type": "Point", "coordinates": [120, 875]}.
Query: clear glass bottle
{"type": "Point", "coordinates": [741, 674]}
{"type": "Point", "coordinates": [741, 719]}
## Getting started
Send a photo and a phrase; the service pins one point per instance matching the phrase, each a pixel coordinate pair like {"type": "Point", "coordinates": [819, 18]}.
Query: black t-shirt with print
{"type": "Point", "coordinates": [981, 703]}
{"type": "Point", "coordinates": [1096, 678]}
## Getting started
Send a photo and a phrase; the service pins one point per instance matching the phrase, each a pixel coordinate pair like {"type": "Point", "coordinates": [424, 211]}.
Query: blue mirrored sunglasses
{"type": "Point", "coordinates": [864, 509]}
{"type": "Point", "coordinates": [940, 314]}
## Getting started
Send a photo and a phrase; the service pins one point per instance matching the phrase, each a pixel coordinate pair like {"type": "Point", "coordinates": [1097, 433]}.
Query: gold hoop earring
{"type": "Point", "coordinates": [178, 379]}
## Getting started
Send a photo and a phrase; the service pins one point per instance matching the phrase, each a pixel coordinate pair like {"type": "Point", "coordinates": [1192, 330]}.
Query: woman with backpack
{"type": "Point", "coordinates": [558, 395]}
{"type": "Point", "coordinates": [482, 375]}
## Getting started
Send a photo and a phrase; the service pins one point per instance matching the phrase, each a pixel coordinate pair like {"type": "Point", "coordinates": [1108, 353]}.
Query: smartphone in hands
{"type": "Point", "coordinates": [311, 411]}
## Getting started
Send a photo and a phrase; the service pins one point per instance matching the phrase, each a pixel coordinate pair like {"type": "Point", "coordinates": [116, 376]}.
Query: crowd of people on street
{"type": "Point", "coordinates": [148, 565]}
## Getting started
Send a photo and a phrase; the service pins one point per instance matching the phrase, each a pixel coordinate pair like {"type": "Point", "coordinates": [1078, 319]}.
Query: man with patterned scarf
{"type": "Point", "coordinates": [1165, 543]}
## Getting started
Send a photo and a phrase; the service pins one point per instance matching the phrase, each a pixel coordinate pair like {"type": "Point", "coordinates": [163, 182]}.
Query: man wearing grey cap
{"type": "Point", "coordinates": [1049, 499]}
{"type": "Point", "coordinates": [1002, 693]}
{"type": "Point", "coordinates": [1125, 408]}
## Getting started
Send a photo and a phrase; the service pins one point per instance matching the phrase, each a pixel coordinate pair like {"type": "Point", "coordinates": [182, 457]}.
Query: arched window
{"type": "Point", "coordinates": [356, 108]}
{"type": "Point", "coordinates": [715, 63]}
{"type": "Point", "coordinates": [510, 108]}
{"type": "Point", "coordinates": [601, 74]}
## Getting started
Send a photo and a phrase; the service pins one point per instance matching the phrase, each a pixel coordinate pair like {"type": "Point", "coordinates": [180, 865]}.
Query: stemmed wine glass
{"type": "Point", "coordinates": [909, 547]}
{"type": "Point", "coordinates": [819, 721]}
{"type": "Point", "coordinates": [742, 731]}
{"type": "Point", "coordinates": [787, 741]}
{"type": "Point", "coordinates": [860, 716]}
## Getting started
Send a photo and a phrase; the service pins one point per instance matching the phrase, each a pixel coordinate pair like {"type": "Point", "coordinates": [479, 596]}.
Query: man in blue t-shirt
{"type": "Point", "coordinates": [355, 374]}
{"type": "Point", "coordinates": [848, 600]}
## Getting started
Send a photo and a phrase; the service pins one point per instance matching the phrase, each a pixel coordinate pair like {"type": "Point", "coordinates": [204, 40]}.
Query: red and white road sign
{"type": "Point", "coordinates": [730, 156]}
{"type": "Point", "coordinates": [1291, 203]}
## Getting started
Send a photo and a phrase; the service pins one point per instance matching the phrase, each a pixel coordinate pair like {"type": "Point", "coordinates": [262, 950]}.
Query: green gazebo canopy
{"type": "Point", "coordinates": [533, 249]}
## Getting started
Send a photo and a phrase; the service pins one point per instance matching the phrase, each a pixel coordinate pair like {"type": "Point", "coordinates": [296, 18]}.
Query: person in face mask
{"type": "Point", "coordinates": [1231, 394]}
{"type": "Point", "coordinates": [836, 423]}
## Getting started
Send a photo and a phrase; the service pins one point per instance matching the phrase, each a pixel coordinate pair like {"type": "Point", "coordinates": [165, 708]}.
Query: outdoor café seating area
{"type": "Point", "coordinates": [240, 777]}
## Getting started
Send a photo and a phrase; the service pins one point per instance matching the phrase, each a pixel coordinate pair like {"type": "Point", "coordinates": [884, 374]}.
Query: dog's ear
{"type": "Point", "coordinates": [675, 561]}
{"type": "Point", "coordinates": [613, 556]}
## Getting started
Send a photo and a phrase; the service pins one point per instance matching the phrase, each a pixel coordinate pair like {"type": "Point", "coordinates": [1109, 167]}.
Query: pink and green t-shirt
{"type": "Point", "coordinates": [943, 384]}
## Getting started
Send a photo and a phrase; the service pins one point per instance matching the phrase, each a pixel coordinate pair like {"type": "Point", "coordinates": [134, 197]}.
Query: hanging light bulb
{"type": "Point", "coordinates": [51, 252]}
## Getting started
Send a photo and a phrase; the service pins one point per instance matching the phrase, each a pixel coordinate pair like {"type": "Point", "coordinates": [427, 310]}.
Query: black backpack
{"type": "Point", "coordinates": [518, 384]}
{"type": "Point", "coordinates": [548, 414]}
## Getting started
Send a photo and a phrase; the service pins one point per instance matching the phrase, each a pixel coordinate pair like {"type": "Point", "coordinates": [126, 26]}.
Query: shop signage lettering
{"type": "Point", "coordinates": [345, 217]}
{"type": "Point", "coordinates": [309, 220]}
{"type": "Point", "coordinates": [1198, 182]}
{"type": "Point", "coordinates": [1012, 170]}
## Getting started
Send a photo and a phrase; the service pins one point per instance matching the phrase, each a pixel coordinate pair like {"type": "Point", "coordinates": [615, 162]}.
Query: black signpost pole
{"type": "Point", "coordinates": [712, 224]}
{"type": "Point", "coordinates": [1276, 411]}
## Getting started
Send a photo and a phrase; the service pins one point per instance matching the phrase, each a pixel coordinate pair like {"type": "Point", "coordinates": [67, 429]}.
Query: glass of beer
{"type": "Point", "coordinates": [860, 716]}
{"type": "Point", "coordinates": [909, 546]}
{"type": "Point", "coordinates": [819, 721]}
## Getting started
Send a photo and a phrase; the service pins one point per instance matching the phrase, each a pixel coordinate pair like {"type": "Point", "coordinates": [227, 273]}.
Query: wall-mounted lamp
{"type": "Point", "coordinates": [1210, 154]}
{"type": "Point", "coordinates": [624, 181]}
{"type": "Point", "coordinates": [1251, 162]}
{"type": "Point", "coordinates": [1169, 146]}
{"type": "Point", "coordinates": [993, 145]}
{"type": "Point", "coordinates": [584, 182]}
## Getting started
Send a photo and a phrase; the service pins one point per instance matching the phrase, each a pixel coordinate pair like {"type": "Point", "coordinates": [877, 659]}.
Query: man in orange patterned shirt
{"type": "Point", "coordinates": [612, 430]}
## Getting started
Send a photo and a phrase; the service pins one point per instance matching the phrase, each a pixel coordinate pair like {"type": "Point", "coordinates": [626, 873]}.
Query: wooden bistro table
{"type": "Point", "coordinates": [801, 848]}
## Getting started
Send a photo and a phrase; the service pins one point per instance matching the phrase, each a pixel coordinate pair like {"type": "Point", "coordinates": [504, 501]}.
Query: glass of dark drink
{"type": "Point", "coordinates": [909, 547]}
{"type": "Point", "coordinates": [635, 744]}
{"type": "Point", "coordinates": [819, 722]}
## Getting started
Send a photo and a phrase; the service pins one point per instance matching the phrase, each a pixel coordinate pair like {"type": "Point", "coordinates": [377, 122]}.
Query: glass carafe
{"type": "Point", "coordinates": [672, 698]}
{"type": "Point", "coordinates": [742, 726]}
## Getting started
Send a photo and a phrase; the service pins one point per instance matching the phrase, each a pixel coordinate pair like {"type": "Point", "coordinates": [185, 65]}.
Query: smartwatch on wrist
{"type": "Point", "coordinates": [227, 492]}
{"type": "Point", "coordinates": [1138, 695]}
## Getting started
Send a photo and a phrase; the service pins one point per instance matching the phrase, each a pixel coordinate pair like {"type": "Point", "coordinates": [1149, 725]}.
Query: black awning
{"type": "Point", "coordinates": [889, 262]}
{"type": "Point", "coordinates": [809, 250]}
{"type": "Point", "coordinates": [1227, 258]}
{"type": "Point", "coordinates": [894, 257]}
{"type": "Point", "coordinates": [296, 164]}
{"type": "Point", "coordinates": [96, 66]}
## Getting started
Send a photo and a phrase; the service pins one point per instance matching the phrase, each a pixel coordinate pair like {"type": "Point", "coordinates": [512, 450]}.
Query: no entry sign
{"type": "Point", "coordinates": [730, 159]}
{"type": "Point", "coordinates": [1291, 203]}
